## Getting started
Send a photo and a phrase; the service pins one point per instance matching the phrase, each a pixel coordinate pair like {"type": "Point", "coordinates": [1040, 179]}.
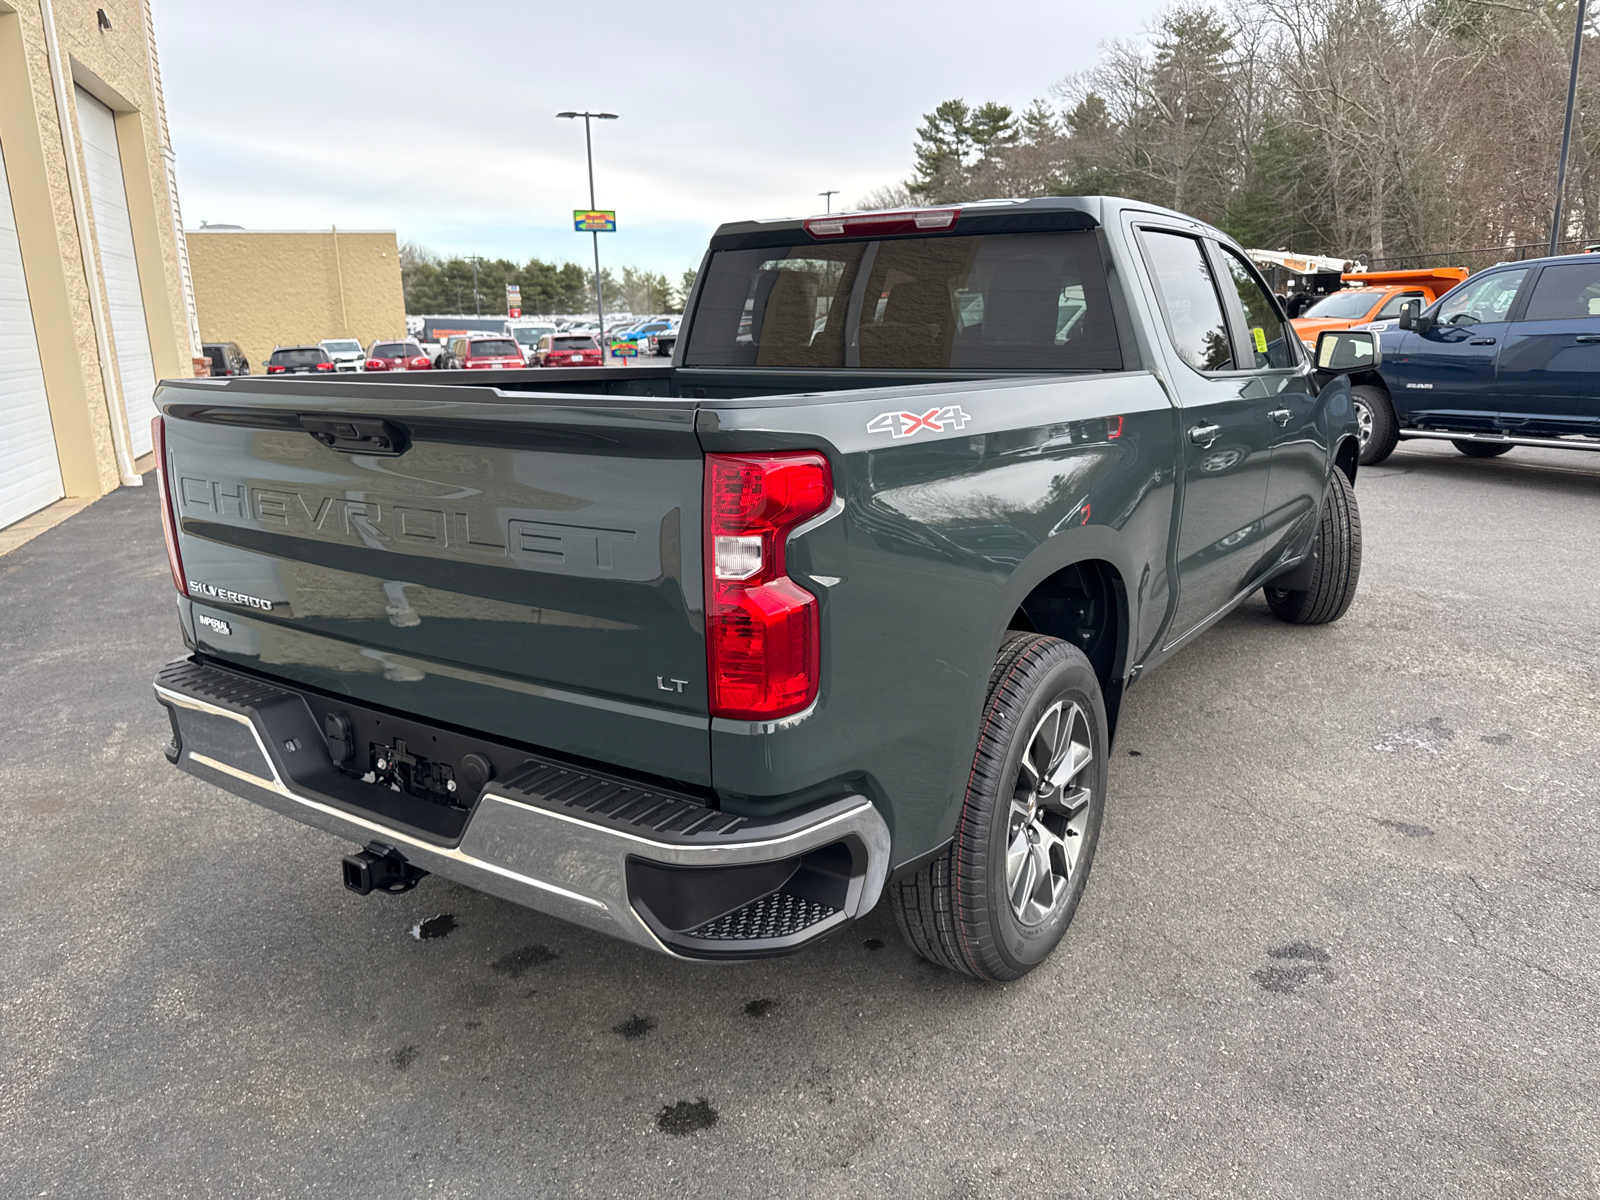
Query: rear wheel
{"type": "Point", "coordinates": [1481, 449]}
{"type": "Point", "coordinates": [998, 900]}
{"type": "Point", "coordinates": [1335, 565]}
{"type": "Point", "coordinates": [1377, 427]}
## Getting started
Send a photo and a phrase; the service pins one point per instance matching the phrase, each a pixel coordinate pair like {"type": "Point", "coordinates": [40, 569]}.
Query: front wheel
{"type": "Point", "coordinates": [1377, 426]}
{"type": "Point", "coordinates": [1481, 449]}
{"type": "Point", "coordinates": [997, 901]}
{"type": "Point", "coordinates": [1335, 562]}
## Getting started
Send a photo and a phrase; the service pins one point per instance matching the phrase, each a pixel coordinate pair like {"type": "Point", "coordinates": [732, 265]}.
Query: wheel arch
{"type": "Point", "coordinates": [1083, 601]}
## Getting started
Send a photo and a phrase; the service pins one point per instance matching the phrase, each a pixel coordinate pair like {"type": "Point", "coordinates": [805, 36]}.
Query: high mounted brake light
{"type": "Point", "coordinates": [169, 515]}
{"type": "Point", "coordinates": [885, 224]}
{"type": "Point", "coordinates": [762, 628]}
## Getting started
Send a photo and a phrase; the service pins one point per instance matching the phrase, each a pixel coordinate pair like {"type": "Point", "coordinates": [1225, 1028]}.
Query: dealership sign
{"type": "Point", "coordinates": [513, 300]}
{"type": "Point", "coordinates": [596, 220]}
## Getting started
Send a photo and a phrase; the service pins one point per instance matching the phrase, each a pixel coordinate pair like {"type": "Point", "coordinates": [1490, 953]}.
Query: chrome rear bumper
{"type": "Point", "coordinates": [647, 866]}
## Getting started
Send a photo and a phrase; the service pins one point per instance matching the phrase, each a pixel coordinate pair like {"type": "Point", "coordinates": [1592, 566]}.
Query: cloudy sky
{"type": "Point", "coordinates": [437, 120]}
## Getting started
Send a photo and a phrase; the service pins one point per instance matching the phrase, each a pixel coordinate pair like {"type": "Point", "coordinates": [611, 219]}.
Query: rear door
{"type": "Point", "coordinates": [528, 567]}
{"type": "Point", "coordinates": [1227, 435]}
{"type": "Point", "coordinates": [1446, 374]}
{"type": "Point", "coordinates": [1549, 365]}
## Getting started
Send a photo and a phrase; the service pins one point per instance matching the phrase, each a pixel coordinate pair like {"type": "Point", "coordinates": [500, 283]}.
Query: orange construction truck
{"type": "Point", "coordinates": [1374, 296]}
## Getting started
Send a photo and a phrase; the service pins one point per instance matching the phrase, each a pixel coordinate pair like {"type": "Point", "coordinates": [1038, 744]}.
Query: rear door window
{"type": "Point", "coordinates": [1002, 302]}
{"type": "Point", "coordinates": [1565, 292]}
{"type": "Point", "coordinates": [1189, 299]}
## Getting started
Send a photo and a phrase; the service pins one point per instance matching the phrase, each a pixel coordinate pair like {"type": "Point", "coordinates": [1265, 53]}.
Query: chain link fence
{"type": "Point", "coordinates": [1475, 260]}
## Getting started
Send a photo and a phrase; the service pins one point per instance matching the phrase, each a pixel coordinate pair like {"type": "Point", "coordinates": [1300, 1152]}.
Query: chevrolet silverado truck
{"type": "Point", "coordinates": [842, 604]}
{"type": "Point", "coordinates": [1509, 358]}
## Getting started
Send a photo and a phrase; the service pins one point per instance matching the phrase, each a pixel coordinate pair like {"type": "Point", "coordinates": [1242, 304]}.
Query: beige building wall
{"type": "Point", "coordinates": [271, 288]}
{"type": "Point", "coordinates": [40, 67]}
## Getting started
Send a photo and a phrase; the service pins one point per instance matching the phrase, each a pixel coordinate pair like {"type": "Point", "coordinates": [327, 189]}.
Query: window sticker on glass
{"type": "Point", "coordinates": [1260, 336]}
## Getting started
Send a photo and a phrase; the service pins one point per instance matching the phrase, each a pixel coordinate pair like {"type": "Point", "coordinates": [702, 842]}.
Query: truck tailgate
{"type": "Point", "coordinates": [527, 566]}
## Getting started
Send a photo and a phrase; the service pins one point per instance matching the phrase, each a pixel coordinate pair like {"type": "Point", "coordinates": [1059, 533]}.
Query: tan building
{"type": "Point", "coordinates": [275, 288]}
{"type": "Point", "coordinates": [95, 303]}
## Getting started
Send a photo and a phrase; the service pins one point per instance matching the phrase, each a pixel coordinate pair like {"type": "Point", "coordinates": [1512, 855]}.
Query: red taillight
{"type": "Point", "coordinates": [169, 517]}
{"type": "Point", "coordinates": [762, 628]}
{"type": "Point", "coordinates": [419, 363]}
{"type": "Point", "coordinates": [324, 366]}
{"type": "Point", "coordinates": [276, 370]}
{"type": "Point", "coordinates": [873, 224]}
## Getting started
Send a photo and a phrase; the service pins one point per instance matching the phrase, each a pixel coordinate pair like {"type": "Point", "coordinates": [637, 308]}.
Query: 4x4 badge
{"type": "Point", "coordinates": [904, 424]}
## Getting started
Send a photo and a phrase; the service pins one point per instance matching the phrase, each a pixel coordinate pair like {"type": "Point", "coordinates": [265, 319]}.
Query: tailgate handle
{"type": "Point", "coordinates": [357, 435]}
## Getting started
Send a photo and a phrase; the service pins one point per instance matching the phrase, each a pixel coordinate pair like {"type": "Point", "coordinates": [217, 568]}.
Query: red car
{"type": "Point", "coordinates": [562, 350]}
{"type": "Point", "coordinates": [490, 352]}
{"type": "Point", "coordinates": [397, 356]}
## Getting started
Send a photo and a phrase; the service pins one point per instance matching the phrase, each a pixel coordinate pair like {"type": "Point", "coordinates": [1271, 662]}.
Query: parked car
{"type": "Point", "coordinates": [345, 352]}
{"type": "Point", "coordinates": [527, 335]}
{"type": "Point", "coordinates": [487, 352]}
{"type": "Point", "coordinates": [397, 356]}
{"type": "Point", "coordinates": [788, 655]}
{"type": "Point", "coordinates": [665, 342]}
{"type": "Point", "coordinates": [1375, 298]}
{"type": "Point", "coordinates": [642, 331]}
{"type": "Point", "coordinates": [226, 358]}
{"type": "Point", "coordinates": [299, 360]}
{"type": "Point", "coordinates": [1509, 358]}
{"type": "Point", "coordinates": [569, 350]}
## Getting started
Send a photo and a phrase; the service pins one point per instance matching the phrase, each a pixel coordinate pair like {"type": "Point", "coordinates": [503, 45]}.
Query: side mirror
{"type": "Point", "coordinates": [1342, 351]}
{"type": "Point", "coordinates": [1408, 314]}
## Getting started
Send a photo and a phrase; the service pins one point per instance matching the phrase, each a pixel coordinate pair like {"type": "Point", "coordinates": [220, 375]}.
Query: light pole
{"type": "Point", "coordinates": [828, 196]}
{"type": "Point", "coordinates": [588, 149]}
{"type": "Point", "coordinates": [476, 310]}
{"type": "Point", "coordinates": [1566, 130]}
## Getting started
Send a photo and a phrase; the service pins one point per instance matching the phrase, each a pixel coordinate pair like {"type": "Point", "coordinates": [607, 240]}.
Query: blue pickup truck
{"type": "Point", "coordinates": [1511, 357]}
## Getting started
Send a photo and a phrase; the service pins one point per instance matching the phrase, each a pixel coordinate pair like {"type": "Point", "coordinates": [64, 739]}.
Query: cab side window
{"type": "Point", "coordinates": [1189, 299]}
{"type": "Point", "coordinates": [1565, 292]}
{"type": "Point", "coordinates": [1487, 298]}
{"type": "Point", "coordinates": [1270, 341]}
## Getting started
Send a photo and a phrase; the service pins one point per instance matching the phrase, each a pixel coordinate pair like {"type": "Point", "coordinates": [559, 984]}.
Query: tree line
{"type": "Point", "coordinates": [449, 285]}
{"type": "Point", "coordinates": [1400, 132]}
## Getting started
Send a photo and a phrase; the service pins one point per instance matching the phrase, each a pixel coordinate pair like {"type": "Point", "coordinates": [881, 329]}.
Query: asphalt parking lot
{"type": "Point", "coordinates": [1342, 939]}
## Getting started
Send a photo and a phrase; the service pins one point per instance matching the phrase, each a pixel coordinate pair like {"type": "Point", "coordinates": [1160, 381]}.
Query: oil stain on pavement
{"type": "Point", "coordinates": [634, 1027]}
{"type": "Point", "coordinates": [1302, 963]}
{"type": "Point", "coordinates": [516, 963]}
{"type": "Point", "coordinates": [684, 1118]}
{"type": "Point", "coordinates": [434, 927]}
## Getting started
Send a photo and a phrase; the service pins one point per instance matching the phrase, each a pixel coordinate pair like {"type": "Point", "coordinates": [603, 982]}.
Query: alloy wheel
{"type": "Point", "coordinates": [1363, 423]}
{"type": "Point", "coordinates": [1049, 813]}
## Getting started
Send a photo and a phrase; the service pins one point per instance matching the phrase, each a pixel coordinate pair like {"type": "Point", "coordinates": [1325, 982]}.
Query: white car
{"type": "Point", "coordinates": [346, 353]}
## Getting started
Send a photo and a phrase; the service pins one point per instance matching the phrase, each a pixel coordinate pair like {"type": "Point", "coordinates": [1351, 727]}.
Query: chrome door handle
{"type": "Point", "coordinates": [1280, 415]}
{"type": "Point", "coordinates": [1481, 342]}
{"type": "Point", "coordinates": [1589, 337]}
{"type": "Point", "coordinates": [1204, 435]}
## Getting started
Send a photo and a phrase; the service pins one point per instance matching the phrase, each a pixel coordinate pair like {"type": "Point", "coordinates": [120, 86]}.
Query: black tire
{"type": "Point", "coordinates": [1335, 566]}
{"type": "Point", "coordinates": [957, 911]}
{"type": "Point", "coordinates": [1381, 434]}
{"type": "Point", "coordinates": [1481, 449]}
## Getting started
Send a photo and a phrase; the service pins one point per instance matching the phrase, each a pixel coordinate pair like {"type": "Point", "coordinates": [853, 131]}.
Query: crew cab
{"type": "Point", "coordinates": [497, 353]}
{"type": "Point", "coordinates": [1509, 358]}
{"type": "Point", "coordinates": [841, 605]}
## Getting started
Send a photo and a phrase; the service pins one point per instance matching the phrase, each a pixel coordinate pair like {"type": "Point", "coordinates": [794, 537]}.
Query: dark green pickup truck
{"type": "Point", "coordinates": [842, 604]}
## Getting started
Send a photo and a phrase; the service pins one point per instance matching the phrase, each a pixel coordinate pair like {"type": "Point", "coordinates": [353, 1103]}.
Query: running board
{"type": "Point", "coordinates": [1495, 439]}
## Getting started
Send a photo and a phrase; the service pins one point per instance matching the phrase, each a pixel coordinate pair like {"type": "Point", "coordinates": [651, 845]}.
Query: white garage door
{"type": "Point", "coordinates": [30, 476]}
{"type": "Point", "coordinates": [114, 234]}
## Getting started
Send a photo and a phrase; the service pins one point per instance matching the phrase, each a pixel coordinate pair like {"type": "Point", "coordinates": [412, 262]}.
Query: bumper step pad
{"type": "Point", "coordinates": [779, 915]}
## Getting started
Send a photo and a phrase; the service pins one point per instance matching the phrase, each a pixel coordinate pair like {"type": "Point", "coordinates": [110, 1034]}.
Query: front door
{"type": "Point", "coordinates": [1550, 363]}
{"type": "Point", "coordinates": [1446, 375]}
{"type": "Point", "coordinates": [1282, 387]}
{"type": "Point", "coordinates": [1226, 433]}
